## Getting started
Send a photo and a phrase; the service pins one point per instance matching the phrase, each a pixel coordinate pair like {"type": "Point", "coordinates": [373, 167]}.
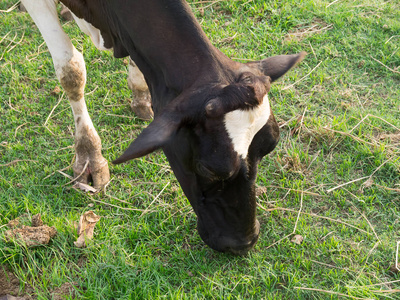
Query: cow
{"type": "Point", "coordinates": [212, 116]}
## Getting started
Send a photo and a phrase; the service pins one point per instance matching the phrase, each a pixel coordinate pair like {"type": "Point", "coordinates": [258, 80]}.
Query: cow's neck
{"type": "Point", "coordinates": [169, 46]}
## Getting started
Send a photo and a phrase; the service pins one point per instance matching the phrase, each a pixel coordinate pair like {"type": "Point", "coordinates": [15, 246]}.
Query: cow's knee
{"type": "Point", "coordinates": [71, 73]}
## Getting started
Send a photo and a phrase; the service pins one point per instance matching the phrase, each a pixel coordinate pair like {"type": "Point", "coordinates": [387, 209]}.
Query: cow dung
{"type": "Point", "coordinates": [35, 235]}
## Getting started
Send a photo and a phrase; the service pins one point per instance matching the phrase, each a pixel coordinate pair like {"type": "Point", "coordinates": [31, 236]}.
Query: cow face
{"type": "Point", "coordinates": [214, 135]}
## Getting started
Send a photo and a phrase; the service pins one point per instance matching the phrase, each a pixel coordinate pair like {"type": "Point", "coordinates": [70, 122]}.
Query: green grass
{"type": "Point", "coordinates": [351, 110]}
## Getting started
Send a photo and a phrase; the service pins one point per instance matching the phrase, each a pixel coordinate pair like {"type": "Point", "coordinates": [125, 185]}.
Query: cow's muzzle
{"type": "Point", "coordinates": [237, 245]}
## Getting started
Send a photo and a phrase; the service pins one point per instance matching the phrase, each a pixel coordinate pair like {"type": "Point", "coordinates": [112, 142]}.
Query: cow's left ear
{"type": "Point", "coordinates": [277, 66]}
{"type": "Point", "coordinates": [151, 138]}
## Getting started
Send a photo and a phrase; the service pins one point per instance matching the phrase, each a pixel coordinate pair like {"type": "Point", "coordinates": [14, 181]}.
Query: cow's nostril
{"type": "Point", "coordinates": [204, 171]}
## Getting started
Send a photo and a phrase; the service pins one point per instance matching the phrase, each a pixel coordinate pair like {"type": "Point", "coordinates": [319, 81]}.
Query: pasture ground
{"type": "Point", "coordinates": [333, 179]}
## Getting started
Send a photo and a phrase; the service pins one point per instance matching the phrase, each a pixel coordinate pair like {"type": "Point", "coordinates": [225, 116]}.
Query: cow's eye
{"type": "Point", "coordinates": [247, 78]}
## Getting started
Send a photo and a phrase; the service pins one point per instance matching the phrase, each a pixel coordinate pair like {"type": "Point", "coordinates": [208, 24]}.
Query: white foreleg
{"type": "Point", "coordinates": [71, 72]}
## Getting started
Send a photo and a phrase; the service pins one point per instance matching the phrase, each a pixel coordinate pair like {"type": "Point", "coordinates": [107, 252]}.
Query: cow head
{"type": "Point", "coordinates": [214, 135]}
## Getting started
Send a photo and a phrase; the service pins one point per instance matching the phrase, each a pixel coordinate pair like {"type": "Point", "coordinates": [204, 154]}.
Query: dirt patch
{"type": "Point", "coordinates": [10, 288]}
{"type": "Point", "coordinates": [10, 285]}
{"type": "Point", "coordinates": [61, 292]}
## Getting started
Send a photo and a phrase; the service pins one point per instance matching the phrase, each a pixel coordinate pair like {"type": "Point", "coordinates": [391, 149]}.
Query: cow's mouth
{"type": "Point", "coordinates": [231, 243]}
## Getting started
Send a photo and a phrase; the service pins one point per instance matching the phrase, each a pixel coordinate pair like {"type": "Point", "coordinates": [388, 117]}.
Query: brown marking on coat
{"type": "Point", "coordinates": [73, 79]}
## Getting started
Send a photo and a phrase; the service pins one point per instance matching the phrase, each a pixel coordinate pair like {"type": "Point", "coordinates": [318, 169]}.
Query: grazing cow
{"type": "Point", "coordinates": [212, 115]}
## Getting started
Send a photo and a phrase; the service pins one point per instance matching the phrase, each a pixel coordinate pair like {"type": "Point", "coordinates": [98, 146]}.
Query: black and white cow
{"type": "Point", "coordinates": [212, 115]}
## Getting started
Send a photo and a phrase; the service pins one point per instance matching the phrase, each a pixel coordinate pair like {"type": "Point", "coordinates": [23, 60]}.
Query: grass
{"type": "Point", "coordinates": [339, 113]}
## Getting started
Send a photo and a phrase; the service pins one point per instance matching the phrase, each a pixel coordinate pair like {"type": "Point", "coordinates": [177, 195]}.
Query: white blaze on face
{"type": "Point", "coordinates": [243, 125]}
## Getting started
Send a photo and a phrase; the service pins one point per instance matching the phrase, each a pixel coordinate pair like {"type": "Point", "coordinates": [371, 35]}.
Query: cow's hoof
{"type": "Point", "coordinates": [96, 172]}
{"type": "Point", "coordinates": [143, 110]}
{"type": "Point", "coordinates": [101, 175]}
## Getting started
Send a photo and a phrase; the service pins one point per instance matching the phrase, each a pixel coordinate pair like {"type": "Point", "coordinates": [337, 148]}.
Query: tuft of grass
{"type": "Point", "coordinates": [334, 176]}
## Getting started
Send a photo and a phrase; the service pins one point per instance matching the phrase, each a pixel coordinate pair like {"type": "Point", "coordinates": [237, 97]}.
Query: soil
{"type": "Point", "coordinates": [10, 285]}
{"type": "Point", "coordinates": [61, 292]}
{"type": "Point", "coordinates": [10, 288]}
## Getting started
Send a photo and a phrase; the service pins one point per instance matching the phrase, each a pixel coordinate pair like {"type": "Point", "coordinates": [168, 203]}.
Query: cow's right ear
{"type": "Point", "coordinates": [151, 138]}
{"type": "Point", "coordinates": [276, 66]}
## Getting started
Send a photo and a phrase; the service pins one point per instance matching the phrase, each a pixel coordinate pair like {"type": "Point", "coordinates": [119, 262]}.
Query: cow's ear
{"type": "Point", "coordinates": [277, 66]}
{"type": "Point", "coordinates": [151, 138]}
